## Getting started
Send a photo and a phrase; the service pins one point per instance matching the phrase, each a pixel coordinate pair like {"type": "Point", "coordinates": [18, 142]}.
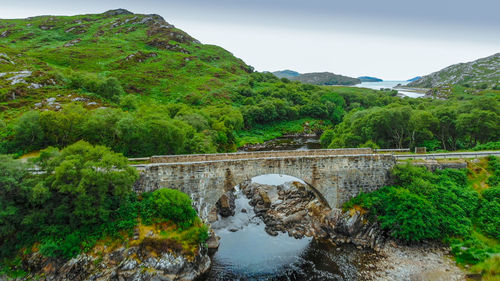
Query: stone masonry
{"type": "Point", "coordinates": [335, 175]}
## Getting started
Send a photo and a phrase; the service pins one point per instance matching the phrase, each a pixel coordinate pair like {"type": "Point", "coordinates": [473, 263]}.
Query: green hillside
{"type": "Point", "coordinates": [140, 86]}
{"type": "Point", "coordinates": [145, 53]}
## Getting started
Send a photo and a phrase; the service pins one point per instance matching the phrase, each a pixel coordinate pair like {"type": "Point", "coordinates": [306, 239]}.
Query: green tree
{"type": "Point", "coordinates": [92, 178]}
{"type": "Point", "coordinates": [28, 131]}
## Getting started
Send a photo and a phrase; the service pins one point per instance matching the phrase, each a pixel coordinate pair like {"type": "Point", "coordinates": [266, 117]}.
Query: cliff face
{"type": "Point", "coordinates": [481, 73]}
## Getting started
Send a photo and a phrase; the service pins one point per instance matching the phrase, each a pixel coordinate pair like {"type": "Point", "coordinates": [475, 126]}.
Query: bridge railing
{"type": "Point", "coordinates": [255, 154]}
{"type": "Point", "coordinates": [452, 155]}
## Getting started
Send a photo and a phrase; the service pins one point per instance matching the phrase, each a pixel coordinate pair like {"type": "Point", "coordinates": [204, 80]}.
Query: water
{"type": "Point", "coordinates": [390, 85]}
{"type": "Point", "coordinates": [247, 252]}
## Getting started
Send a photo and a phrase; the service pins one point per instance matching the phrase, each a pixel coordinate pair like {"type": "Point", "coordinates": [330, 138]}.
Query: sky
{"type": "Point", "coordinates": [389, 39]}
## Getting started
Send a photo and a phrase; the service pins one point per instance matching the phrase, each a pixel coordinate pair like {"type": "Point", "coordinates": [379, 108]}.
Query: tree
{"type": "Point", "coordinates": [15, 185]}
{"type": "Point", "coordinates": [28, 131]}
{"type": "Point", "coordinates": [326, 138]}
{"type": "Point", "coordinates": [110, 88]}
{"type": "Point", "coordinates": [88, 179]}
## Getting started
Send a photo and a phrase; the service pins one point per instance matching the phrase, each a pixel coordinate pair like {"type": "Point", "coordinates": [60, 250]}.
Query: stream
{"type": "Point", "coordinates": [247, 252]}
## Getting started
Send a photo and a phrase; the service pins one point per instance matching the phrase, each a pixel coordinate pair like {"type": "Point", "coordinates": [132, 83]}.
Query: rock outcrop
{"type": "Point", "coordinates": [294, 208]}
{"type": "Point", "coordinates": [121, 265]}
{"type": "Point", "coordinates": [145, 257]}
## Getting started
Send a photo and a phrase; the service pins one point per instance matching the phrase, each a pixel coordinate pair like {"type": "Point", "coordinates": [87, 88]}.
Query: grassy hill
{"type": "Point", "coordinates": [483, 73]}
{"type": "Point", "coordinates": [139, 85]}
{"type": "Point", "coordinates": [149, 57]}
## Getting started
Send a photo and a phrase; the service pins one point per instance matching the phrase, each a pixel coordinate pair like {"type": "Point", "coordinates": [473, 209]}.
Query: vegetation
{"type": "Point", "coordinates": [448, 125]}
{"type": "Point", "coordinates": [152, 89]}
{"type": "Point", "coordinates": [83, 195]}
{"type": "Point", "coordinates": [88, 91]}
{"type": "Point", "coordinates": [441, 206]}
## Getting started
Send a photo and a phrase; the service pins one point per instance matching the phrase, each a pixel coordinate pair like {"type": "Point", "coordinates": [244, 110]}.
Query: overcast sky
{"type": "Point", "coordinates": [390, 39]}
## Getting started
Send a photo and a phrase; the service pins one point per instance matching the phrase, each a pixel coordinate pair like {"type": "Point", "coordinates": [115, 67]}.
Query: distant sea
{"type": "Point", "coordinates": [390, 85]}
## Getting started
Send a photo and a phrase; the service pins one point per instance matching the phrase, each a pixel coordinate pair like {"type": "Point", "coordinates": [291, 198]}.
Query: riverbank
{"type": "Point", "coordinates": [422, 262]}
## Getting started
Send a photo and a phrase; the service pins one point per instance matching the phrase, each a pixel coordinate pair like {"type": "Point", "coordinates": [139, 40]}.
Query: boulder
{"type": "Point", "coordinates": [226, 204]}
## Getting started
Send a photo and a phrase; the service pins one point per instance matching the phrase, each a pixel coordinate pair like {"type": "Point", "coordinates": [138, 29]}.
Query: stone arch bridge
{"type": "Point", "coordinates": [337, 174]}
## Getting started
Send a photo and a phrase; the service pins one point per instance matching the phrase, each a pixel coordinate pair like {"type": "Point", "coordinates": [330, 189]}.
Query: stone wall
{"type": "Point", "coordinates": [256, 154]}
{"type": "Point", "coordinates": [336, 178]}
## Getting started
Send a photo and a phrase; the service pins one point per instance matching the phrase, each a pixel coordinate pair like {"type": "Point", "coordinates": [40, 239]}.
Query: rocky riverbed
{"type": "Point", "coordinates": [295, 208]}
{"type": "Point", "coordinates": [422, 262]}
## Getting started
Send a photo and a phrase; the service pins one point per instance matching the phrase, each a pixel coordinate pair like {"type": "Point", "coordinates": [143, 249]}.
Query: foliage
{"type": "Point", "coordinates": [490, 268]}
{"type": "Point", "coordinates": [169, 204]}
{"type": "Point", "coordinates": [84, 194]}
{"type": "Point", "coordinates": [423, 205]}
{"type": "Point", "coordinates": [495, 145]}
{"type": "Point", "coordinates": [440, 206]}
{"type": "Point", "coordinates": [454, 124]}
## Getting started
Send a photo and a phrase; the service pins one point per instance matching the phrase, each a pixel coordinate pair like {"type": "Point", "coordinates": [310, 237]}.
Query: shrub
{"type": "Point", "coordinates": [326, 138]}
{"type": "Point", "coordinates": [423, 205]}
{"type": "Point", "coordinates": [494, 145]}
{"type": "Point", "coordinates": [110, 88]}
{"type": "Point", "coordinates": [173, 205]}
{"type": "Point", "coordinates": [408, 216]}
{"type": "Point", "coordinates": [488, 214]}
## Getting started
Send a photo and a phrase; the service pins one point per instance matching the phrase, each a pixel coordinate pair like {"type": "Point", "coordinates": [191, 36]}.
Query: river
{"type": "Point", "coordinates": [247, 252]}
{"type": "Point", "coordinates": [391, 85]}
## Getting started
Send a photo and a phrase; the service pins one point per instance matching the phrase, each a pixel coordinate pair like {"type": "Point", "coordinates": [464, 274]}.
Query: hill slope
{"type": "Point", "coordinates": [286, 73]}
{"type": "Point", "coordinates": [325, 78]}
{"type": "Point", "coordinates": [481, 73]}
{"type": "Point", "coordinates": [150, 57]}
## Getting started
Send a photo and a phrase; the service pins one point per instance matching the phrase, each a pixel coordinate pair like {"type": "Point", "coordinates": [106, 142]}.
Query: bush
{"type": "Point", "coordinates": [488, 214]}
{"type": "Point", "coordinates": [109, 88]}
{"type": "Point", "coordinates": [423, 205]}
{"type": "Point", "coordinates": [495, 145]}
{"type": "Point", "coordinates": [404, 215]}
{"type": "Point", "coordinates": [172, 205]}
{"type": "Point", "coordinates": [326, 138]}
